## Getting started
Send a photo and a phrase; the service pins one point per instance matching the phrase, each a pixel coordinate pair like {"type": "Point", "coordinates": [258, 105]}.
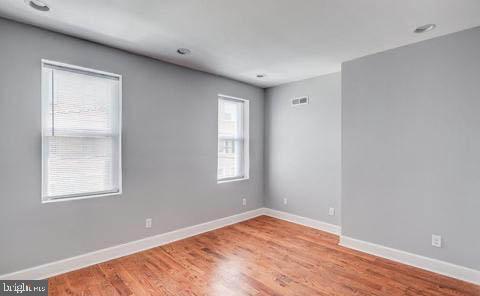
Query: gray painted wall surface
{"type": "Point", "coordinates": [169, 151]}
{"type": "Point", "coordinates": [303, 148]}
{"type": "Point", "coordinates": [411, 148]}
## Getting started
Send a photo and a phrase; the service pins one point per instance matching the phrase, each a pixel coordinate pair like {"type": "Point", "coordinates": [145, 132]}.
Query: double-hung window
{"type": "Point", "coordinates": [233, 152]}
{"type": "Point", "coordinates": [81, 132]}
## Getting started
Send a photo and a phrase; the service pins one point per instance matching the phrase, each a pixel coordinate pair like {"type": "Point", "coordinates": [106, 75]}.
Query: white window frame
{"type": "Point", "coordinates": [246, 140]}
{"type": "Point", "coordinates": [45, 92]}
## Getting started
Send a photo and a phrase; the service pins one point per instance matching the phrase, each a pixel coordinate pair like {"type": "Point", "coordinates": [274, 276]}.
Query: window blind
{"type": "Point", "coordinates": [81, 132]}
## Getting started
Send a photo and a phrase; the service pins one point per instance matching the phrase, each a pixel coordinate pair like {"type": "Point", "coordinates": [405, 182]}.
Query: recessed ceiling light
{"type": "Point", "coordinates": [425, 28]}
{"type": "Point", "coordinates": [260, 75]}
{"type": "Point", "coordinates": [183, 51]}
{"type": "Point", "coordinates": [38, 5]}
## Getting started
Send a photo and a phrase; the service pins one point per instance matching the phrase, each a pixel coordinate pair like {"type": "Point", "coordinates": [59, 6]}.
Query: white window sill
{"type": "Point", "coordinates": [117, 194]}
{"type": "Point", "coordinates": [232, 180]}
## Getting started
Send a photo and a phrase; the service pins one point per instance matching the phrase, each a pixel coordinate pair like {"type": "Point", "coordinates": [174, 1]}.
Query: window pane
{"type": "Point", "coordinates": [230, 119]}
{"type": "Point", "coordinates": [78, 165]}
{"type": "Point", "coordinates": [82, 103]}
{"type": "Point", "coordinates": [230, 158]}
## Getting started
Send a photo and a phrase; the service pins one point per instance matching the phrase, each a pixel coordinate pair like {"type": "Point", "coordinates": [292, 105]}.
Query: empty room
{"type": "Point", "coordinates": [222, 147]}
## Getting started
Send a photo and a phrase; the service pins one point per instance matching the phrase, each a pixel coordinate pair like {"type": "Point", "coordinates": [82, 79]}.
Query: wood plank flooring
{"type": "Point", "coordinates": [262, 256]}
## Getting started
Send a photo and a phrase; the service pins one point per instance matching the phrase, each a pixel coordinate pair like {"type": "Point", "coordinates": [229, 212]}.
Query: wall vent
{"type": "Point", "coordinates": [300, 101]}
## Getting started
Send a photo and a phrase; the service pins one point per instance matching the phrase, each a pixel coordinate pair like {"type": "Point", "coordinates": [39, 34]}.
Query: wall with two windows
{"type": "Point", "coordinates": [170, 151]}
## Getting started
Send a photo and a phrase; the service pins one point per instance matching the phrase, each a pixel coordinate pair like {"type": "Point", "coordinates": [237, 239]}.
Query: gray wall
{"type": "Point", "coordinates": [169, 151]}
{"type": "Point", "coordinates": [302, 158]}
{"type": "Point", "coordinates": [411, 148]}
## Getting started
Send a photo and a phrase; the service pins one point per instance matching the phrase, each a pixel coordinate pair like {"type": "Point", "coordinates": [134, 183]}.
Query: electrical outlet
{"type": "Point", "coordinates": [285, 201]}
{"type": "Point", "coordinates": [331, 211]}
{"type": "Point", "coordinates": [244, 201]}
{"type": "Point", "coordinates": [436, 241]}
{"type": "Point", "coordinates": [148, 223]}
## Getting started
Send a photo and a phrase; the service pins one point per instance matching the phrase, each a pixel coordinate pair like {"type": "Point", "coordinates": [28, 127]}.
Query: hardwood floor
{"type": "Point", "coordinates": [262, 256]}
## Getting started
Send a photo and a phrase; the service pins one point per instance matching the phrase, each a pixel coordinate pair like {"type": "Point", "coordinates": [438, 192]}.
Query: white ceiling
{"type": "Point", "coordinates": [287, 40]}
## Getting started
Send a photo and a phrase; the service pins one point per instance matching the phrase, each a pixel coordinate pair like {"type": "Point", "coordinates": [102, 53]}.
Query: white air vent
{"type": "Point", "coordinates": [300, 101]}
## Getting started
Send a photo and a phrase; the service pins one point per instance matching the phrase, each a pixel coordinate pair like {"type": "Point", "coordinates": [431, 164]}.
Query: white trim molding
{"type": "Point", "coordinates": [58, 267]}
{"type": "Point", "coordinates": [430, 264]}
{"type": "Point", "coordinates": [62, 266]}
{"type": "Point", "coordinates": [324, 226]}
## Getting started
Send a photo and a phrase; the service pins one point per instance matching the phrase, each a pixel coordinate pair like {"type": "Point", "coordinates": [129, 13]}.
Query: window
{"type": "Point", "coordinates": [81, 132]}
{"type": "Point", "coordinates": [233, 162]}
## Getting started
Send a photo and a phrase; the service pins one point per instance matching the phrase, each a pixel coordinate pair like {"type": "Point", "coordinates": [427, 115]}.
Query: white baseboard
{"type": "Point", "coordinates": [58, 267]}
{"type": "Point", "coordinates": [81, 261]}
{"type": "Point", "coordinates": [430, 264]}
{"type": "Point", "coordinates": [327, 227]}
